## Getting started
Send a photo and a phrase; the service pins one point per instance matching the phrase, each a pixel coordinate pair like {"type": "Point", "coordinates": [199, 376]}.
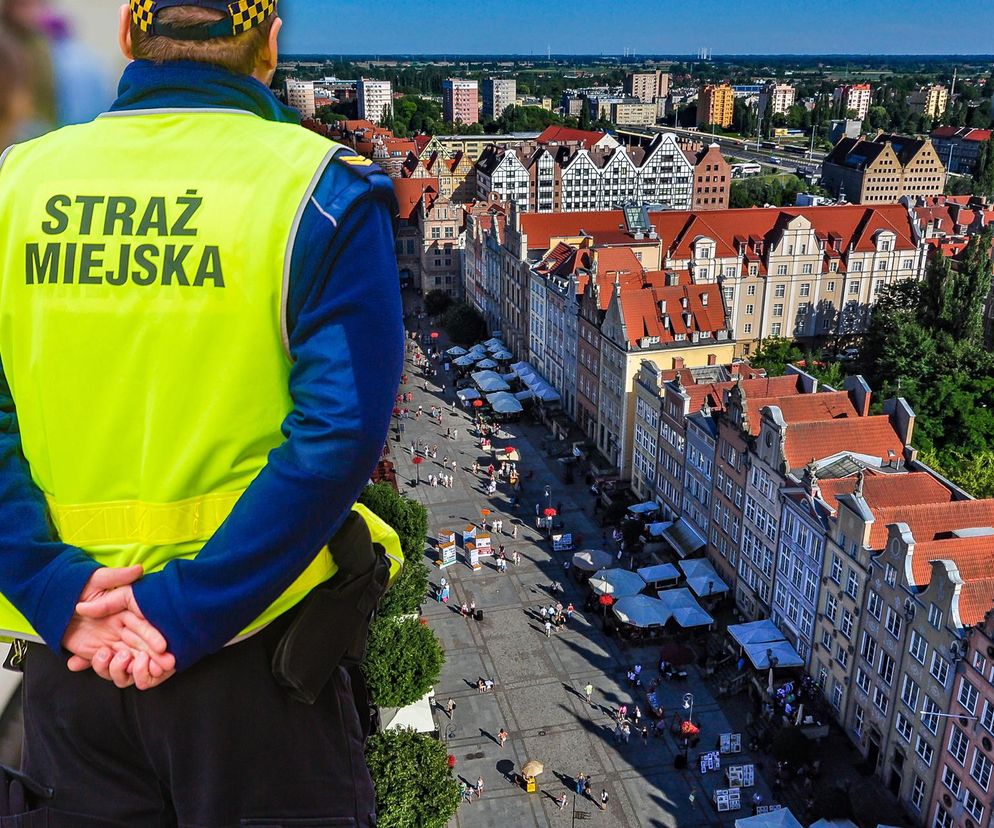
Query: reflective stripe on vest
{"type": "Point", "coordinates": [143, 278]}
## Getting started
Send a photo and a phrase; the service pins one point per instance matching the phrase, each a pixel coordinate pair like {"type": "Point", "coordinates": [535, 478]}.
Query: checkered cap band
{"type": "Point", "coordinates": [142, 12]}
{"type": "Point", "coordinates": [247, 14]}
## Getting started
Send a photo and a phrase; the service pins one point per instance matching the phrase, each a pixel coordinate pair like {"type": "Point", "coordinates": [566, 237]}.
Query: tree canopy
{"type": "Point", "coordinates": [464, 325]}
{"type": "Point", "coordinates": [403, 661]}
{"type": "Point", "coordinates": [414, 786]}
{"type": "Point", "coordinates": [775, 354]}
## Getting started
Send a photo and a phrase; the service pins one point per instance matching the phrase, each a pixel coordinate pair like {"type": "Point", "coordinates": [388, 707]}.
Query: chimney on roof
{"type": "Point", "coordinates": [809, 479]}
{"type": "Point", "coordinates": [678, 364]}
{"type": "Point", "coordinates": [736, 369]}
{"type": "Point", "coordinates": [712, 359]}
{"type": "Point", "coordinates": [860, 480]}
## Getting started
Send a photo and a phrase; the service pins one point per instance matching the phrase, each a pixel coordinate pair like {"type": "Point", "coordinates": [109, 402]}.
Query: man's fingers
{"type": "Point", "coordinates": [119, 669]}
{"type": "Point", "coordinates": [77, 664]}
{"type": "Point", "coordinates": [101, 664]}
{"type": "Point", "coordinates": [111, 577]}
{"type": "Point", "coordinates": [146, 633]}
{"type": "Point", "coordinates": [117, 600]}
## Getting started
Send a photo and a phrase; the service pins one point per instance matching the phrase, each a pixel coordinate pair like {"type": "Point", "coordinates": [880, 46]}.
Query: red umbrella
{"type": "Point", "coordinates": [434, 334]}
{"type": "Point", "coordinates": [418, 460]}
{"type": "Point", "coordinates": [485, 512]}
{"type": "Point", "coordinates": [689, 729]}
{"type": "Point", "coordinates": [477, 403]}
{"type": "Point", "coordinates": [550, 512]}
{"type": "Point", "coordinates": [605, 600]}
{"type": "Point", "coordinates": [508, 450]}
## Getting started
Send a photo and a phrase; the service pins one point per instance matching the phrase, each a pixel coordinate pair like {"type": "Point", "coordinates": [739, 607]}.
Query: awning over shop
{"type": "Point", "coordinates": [536, 384]}
{"type": "Point", "coordinates": [755, 632]}
{"type": "Point", "coordinates": [780, 818]}
{"type": "Point", "coordinates": [684, 609]}
{"type": "Point", "coordinates": [658, 573]}
{"type": "Point", "coordinates": [646, 508]}
{"type": "Point", "coordinates": [616, 582]}
{"type": "Point", "coordinates": [504, 403]}
{"type": "Point", "coordinates": [590, 560]}
{"type": "Point", "coordinates": [656, 530]}
{"type": "Point", "coordinates": [702, 578]}
{"type": "Point", "coordinates": [684, 538]}
{"type": "Point", "coordinates": [760, 654]}
{"type": "Point", "coordinates": [640, 611]}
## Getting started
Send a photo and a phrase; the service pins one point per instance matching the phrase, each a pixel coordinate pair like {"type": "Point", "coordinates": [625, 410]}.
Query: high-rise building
{"type": "Point", "coordinates": [498, 95]}
{"type": "Point", "coordinates": [854, 96]}
{"type": "Point", "coordinates": [460, 101]}
{"type": "Point", "coordinates": [648, 87]}
{"type": "Point", "coordinates": [300, 96]}
{"type": "Point", "coordinates": [776, 99]}
{"type": "Point", "coordinates": [930, 100]}
{"type": "Point", "coordinates": [375, 99]}
{"type": "Point", "coordinates": [715, 105]}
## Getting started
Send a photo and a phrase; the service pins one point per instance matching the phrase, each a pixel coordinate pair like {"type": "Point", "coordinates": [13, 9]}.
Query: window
{"type": "Point", "coordinates": [909, 693]}
{"type": "Point", "coordinates": [979, 662]}
{"type": "Point", "coordinates": [854, 287]}
{"type": "Point", "coordinates": [951, 781]}
{"type": "Point", "coordinates": [836, 694]}
{"type": "Point", "coordinates": [847, 623]}
{"type": "Point", "coordinates": [868, 649]}
{"type": "Point", "coordinates": [959, 743]}
{"type": "Point", "coordinates": [987, 717]}
{"type": "Point", "coordinates": [918, 647]}
{"type": "Point", "coordinates": [973, 806]}
{"type": "Point", "coordinates": [874, 604]}
{"type": "Point", "coordinates": [857, 721]}
{"type": "Point", "coordinates": [924, 750]}
{"type": "Point", "coordinates": [893, 623]}
{"type": "Point", "coordinates": [968, 696]}
{"type": "Point", "coordinates": [886, 668]}
{"type": "Point", "coordinates": [942, 818]}
{"type": "Point", "coordinates": [917, 793]}
{"type": "Point", "coordinates": [836, 573]}
{"type": "Point", "coordinates": [780, 290]}
{"type": "Point", "coordinates": [826, 639]}
{"type": "Point", "coordinates": [890, 575]}
{"type": "Point", "coordinates": [831, 607]}
{"type": "Point", "coordinates": [939, 669]}
{"type": "Point", "coordinates": [751, 290]}
{"type": "Point", "coordinates": [934, 616]}
{"type": "Point", "coordinates": [842, 656]}
{"type": "Point", "coordinates": [781, 271]}
{"type": "Point", "coordinates": [930, 714]}
{"type": "Point", "coordinates": [806, 287]}
{"type": "Point", "coordinates": [880, 700]}
{"type": "Point", "coordinates": [903, 727]}
{"type": "Point", "coordinates": [862, 680]}
{"type": "Point", "coordinates": [831, 285]}
{"type": "Point", "coordinates": [747, 328]}
{"type": "Point", "coordinates": [981, 769]}
{"type": "Point", "coordinates": [775, 329]}
{"type": "Point", "coordinates": [750, 310]}
{"type": "Point", "coordinates": [806, 269]}
{"type": "Point", "coordinates": [852, 585]}
{"type": "Point", "coordinates": [778, 309]}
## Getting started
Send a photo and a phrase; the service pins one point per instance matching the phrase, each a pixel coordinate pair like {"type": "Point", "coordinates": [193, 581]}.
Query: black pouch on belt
{"type": "Point", "coordinates": [332, 623]}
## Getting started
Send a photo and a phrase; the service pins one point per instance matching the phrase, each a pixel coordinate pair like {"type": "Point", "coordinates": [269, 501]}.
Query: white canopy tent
{"type": "Point", "coordinates": [684, 609]}
{"type": "Point", "coordinates": [646, 508]}
{"type": "Point", "coordinates": [657, 529]}
{"type": "Point", "coordinates": [640, 611]}
{"type": "Point", "coordinates": [702, 578]}
{"type": "Point", "coordinates": [755, 632]}
{"type": "Point", "coordinates": [616, 582]}
{"type": "Point", "coordinates": [590, 560]}
{"type": "Point", "coordinates": [417, 715]}
{"type": "Point", "coordinates": [780, 818]}
{"type": "Point", "coordinates": [659, 573]}
{"type": "Point", "coordinates": [761, 653]}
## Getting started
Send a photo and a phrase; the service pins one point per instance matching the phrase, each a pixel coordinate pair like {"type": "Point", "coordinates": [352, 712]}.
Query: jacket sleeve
{"type": "Point", "coordinates": [39, 575]}
{"type": "Point", "coordinates": [347, 341]}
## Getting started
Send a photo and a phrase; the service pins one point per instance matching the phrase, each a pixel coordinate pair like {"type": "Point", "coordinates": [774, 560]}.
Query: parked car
{"type": "Point", "coordinates": [849, 354]}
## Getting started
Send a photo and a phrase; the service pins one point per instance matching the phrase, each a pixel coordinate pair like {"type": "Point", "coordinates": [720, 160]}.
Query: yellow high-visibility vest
{"type": "Point", "coordinates": [143, 281]}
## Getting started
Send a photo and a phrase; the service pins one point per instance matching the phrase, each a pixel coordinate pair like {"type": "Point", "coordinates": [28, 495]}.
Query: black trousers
{"type": "Point", "coordinates": [220, 745]}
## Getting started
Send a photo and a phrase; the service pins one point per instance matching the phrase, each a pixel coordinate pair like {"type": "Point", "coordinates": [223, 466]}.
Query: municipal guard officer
{"type": "Point", "coordinates": [201, 338]}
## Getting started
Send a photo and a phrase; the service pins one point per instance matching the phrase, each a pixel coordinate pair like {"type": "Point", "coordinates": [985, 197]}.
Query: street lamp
{"type": "Point", "coordinates": [548, 502]}
{"type": "Point", "coordinates": [688, 704]}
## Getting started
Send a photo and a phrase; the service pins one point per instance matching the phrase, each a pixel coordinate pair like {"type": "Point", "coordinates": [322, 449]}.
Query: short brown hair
{"type": "Point", "coordinates": [239, 53]}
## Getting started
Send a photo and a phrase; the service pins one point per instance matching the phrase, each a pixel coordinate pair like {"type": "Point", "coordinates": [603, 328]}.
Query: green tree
{"type": "Point", "coordinates": [972, 285]}
{"type": "Point", "coordinates": [403, 661]}
{"type": "Point", "coordinates": [328, 115]}
{"type": "Point", "coordinates": [414, 786]}
{"type": "Point", "coordinates": [464, 324]}
{"type": "Point", "coordinates": [584, 119]}
{"type": "Point", "coordinates": [437, 302]}
{"type": "Point", "coordinates": [775, 354]}
{"type": "Point", "coordinates": [973, 473]}
{"type": "Point", "coordinates": [937, 293]}
{"type": "Point", "coordinates": [409, 520]}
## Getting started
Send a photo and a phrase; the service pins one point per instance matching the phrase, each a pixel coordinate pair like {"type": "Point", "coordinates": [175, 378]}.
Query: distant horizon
{"type": "Point", "coordinates": [635, 59]}
{"type": "Point", "coordinates": [915, 28]}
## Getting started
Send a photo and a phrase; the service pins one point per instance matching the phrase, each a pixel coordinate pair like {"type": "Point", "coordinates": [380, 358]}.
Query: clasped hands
{"type": "Point", "coordinates": [109, 634]}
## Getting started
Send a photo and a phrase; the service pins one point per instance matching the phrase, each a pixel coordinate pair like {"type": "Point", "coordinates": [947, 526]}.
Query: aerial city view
{"type": "Point", "coordinates": [690, 464]}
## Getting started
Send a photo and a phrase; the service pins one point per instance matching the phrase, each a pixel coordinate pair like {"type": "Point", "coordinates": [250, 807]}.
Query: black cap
{"type": "Point", "coordinates": [240, 16]}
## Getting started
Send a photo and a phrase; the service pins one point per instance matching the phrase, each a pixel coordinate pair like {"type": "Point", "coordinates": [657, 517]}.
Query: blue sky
{"type": "Point", "coordinates": [648, 27]}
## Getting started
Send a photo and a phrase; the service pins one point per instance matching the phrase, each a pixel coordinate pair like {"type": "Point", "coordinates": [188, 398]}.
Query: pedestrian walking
{"type": "Point", "coordinates": [604, 799]}
{"type": "Point", "coordinates": [626, 732]}
{"type": "Point", "coordinates": [548, 629]}
{"type": "Point", "coordinates": [450, 708]}
{"type": "Point", "coordinates": [579, 783]}
{"type": "Point", "coordinates": [587, 786]}
{"type": "Point", "coordinates": [645, 735]}
{"type": "Point", "coordinates": [516, 557]}
{"type": "Point", "coordinates": [479, 787]}
{"type": "Point", "coordinates": [569, 611]}
{"type": "Point", "coordinates": [465, 792]}
{"type": "Point", "coordinates": [445, 594]}
{"type": "Point", "coordinates": [472, 609]}
{"type": "Point", "coordinates": [589, 691]}
{"type": "Point", "coordinates": [514, 532]}
{"type": "Point", "coordinates": [617, 732]}
{"type": "Point", "coordinates": [455, 465]}
{"type": "Point", "coordinates": [563, 799]}
{"type": "Point", "coordinates": [637, 715]}
{"type": "Point", "coordinates": [502, 735]}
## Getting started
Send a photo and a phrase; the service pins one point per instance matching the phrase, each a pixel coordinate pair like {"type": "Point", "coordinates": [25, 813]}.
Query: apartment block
{"type": "Point", "coordinates": [633, 113]}
{"type": "Point", "coordinates": [883, 170]}
{"type": "Point", "coordinates": [648, 87]}
{"type": "Point", "coordinates": [375, 100]}
{"type": "Point", "coordinates": [715, 105]}
{"type": "Point", "coordinates": [300, 96]}
{"type": "Point", "coordinates": [498, 95]}
{"type": "Point", "coordinates": [930, 100]}
{"type": "Point", "coordinates": [855, 97]}
{"type": "Point", "coordinates": [460, 101]}
{"type": "Point", "coordinates": [776, 99]}
{"type": "Point", "coordinates": [959, 147]}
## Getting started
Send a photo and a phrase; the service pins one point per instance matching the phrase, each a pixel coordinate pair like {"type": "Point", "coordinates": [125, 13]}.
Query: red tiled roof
{"type": "Point", "coordinates": [561, 134]}
{"type": "Point", "coordinates": [883, 491]}
{"type": "Point", "coordinates": [927, 521]}
{"type": "Point", "coordinates": [872, 436]}
{"type": "Point", "coordinates": [420, 142]}
{"type": "Point", "coordinates": [974, 560]}
{"type": "Point", "coordinates": [410, 191]}
{"type": "Point", "coordinates": [640, 307]}
{"type": "Point", "coordinates": [801, 408]}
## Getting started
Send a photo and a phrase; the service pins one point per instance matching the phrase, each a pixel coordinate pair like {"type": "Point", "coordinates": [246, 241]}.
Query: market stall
{"type": "Point", "coordinates": [702, 578]}
{"type": "Point", "coordinates": [683, 608]}
{"type": "Point", "coordinates": [616, 582]}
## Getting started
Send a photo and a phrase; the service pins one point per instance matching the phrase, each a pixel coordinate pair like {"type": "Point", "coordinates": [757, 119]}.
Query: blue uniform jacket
{"type": "Point", "coordinates": [346, 337]}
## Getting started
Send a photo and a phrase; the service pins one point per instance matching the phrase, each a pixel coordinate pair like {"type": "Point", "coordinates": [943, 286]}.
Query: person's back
{"type": "Point", "coordinates": [188, 287]}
